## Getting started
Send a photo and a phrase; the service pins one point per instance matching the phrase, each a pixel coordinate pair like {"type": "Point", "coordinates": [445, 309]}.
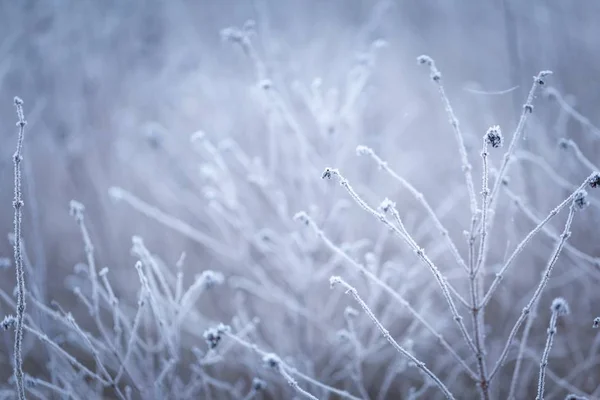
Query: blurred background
{"type": "Point", "coordinates": [114, 91]}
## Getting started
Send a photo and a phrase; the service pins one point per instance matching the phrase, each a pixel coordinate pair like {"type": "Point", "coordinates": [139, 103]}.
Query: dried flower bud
{"type": "Point", "coordinates": [580, 201]}
{"type": "Point", "coordinates": [564, 144]}
{"type": "Point", "coordinates": [560, 306]}
{"type": "Point", "coordinates": [595, 180]}
{"type": "Point", "coordinates": [334, 280]}
{"type": "Point", "coordinates": [327, 173]}
{"type": "Point", "coordinates": [386, 205]}
{"type": "Point", "coordinates": [303, 217]}
{"type": "Point", "coordinates": [258, 384]}
{"type": "Point", "coordinates": [272, 360]}
{"type": "Point", "coordinates": [435, 75]}
{"type": "Point", "coordinates": [214, 335]}
{"type": "Point", "coordinates": [8, 322]}
{"type": "Point", "coordinates": [211, 278]}
{"type": "Point", "coordinates": [494, 137]}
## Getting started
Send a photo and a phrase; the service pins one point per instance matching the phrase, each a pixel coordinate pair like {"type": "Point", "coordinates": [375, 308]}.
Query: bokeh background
{"type": "Point", "coordinates": [114, 90]}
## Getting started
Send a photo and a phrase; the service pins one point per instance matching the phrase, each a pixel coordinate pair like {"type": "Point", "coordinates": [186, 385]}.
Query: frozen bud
{"type": "Point", "coordinates": [334, 280]}
{"type": "Point", "coordinates": [425, 60]}
{"type": "Point", "coordinates": [232, 34]}
{"type": "Point", "coordinates": [211, 278]}
{"type": "Point", "coordinates": [564, 144]}
{"type": "Point", "coordinates": [76, 209]}
{"type": "Point", "coordinates": [303, 217]}
{"type": "Point", "coordinates": [258, 384]}
{"type": "Point", "coordinates": [272, 360]}
{"type": "Point", "coordinates": [363, 150]}
{"type": "Point", "coordinates": [265, 84]}
{"type": "Point", "coordinates": [213, 336]}
{"type": "Point", "coordinates": [580, 201]}
{"type": "Point", "coordinates": [435, 75]}
{"type": "Point", "coordinates": [559, 306]}
{"type": "Point", "coordinates": [493, 137]}
{"type": "Point", "coordinates": [328, 173]}
{"type": "Point", "coordinates": [386, 205]}
{"type": "Point", "coordinates": [540, 79]}
{"type": "Point", "coordinates": [8, 322]}
{"type": "Point", "coordinates": [595, 180]}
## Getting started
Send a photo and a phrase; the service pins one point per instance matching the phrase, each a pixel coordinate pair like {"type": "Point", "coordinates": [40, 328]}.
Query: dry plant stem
{"type": "Point", "coordinates": [466, 166]}
{"type": "Point", "coordinates": [529, 213]}
{"type": "Point", "coordinates": [419, 251]}
{"type": "Point", "coordinates": [514, 383]}
{"type": "Point", "coordinates": [527, 109]}
{"type": "Point", "coordinates": [18, 252]}
{"type": "Point", "coordinates": [352, 292]}
{"type": "Point", "coordinates": [421, 199]}
{"type": "Point", "coordinates": [77, 210]}
{"type": "Point", "coordinates": [538, 81]}
{"type": "Point", "coordinates": [580, 156]}
{"type": "Point", "coordinates": [476, 312]}
{"type": "Point", "coordinates": [172, 222]}
{"type": "Point", "coordinates": [525, 241]}
{"type": "Point", "coordinates": [308, 221]}
{"type": "Point", "coordinates": [572, 112]}
{"type": "Point", "coordinates": [72, 360]}
{"type": "Point", "coordinates": [563, 238]}
{"type": "Point", "coordinates": [289, 371]}
{"type": "Point", "coordinates": [545, 354]}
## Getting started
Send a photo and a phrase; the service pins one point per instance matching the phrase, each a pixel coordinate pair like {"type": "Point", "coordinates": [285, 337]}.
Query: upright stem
{"type": "Point", "coordinates": [18, 253]}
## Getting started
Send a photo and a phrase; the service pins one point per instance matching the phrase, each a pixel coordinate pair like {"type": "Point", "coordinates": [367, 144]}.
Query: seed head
{"type": "Point", "coordinates": [580, 201]}
{"type": "Point", "coordinates": [211, 278]}
{"type": "Point", "coordinates": [386, 205]}
{"type": "Point", "coordinates": [595, 180]}
{"type": "Point", "coordinates": [560, 306]}
{"type": "Point", "coordinates": [272, 360]}
{"type": "Point", "coordinates": [258, 384]}
{"type": "Point", "coordinates": [214, 335]}
{"type": "Point", "coordinates": [8, 322]}
{"type": "Point", "coordinates": [494, 137]}
{"type": "Point", "coordinates": [334, 280]}
{"type": "Point", "coordinates": [564, 144]}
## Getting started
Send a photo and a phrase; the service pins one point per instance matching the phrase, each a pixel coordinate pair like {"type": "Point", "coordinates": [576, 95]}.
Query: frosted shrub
{"type": "Point", "coordinates": [434, 279]}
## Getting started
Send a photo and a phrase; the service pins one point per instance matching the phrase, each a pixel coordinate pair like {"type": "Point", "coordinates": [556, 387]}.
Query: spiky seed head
{"type": "Point", "coordinates": [595, 180]}
{"type": "Point", "coordinates": [494, 137]}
